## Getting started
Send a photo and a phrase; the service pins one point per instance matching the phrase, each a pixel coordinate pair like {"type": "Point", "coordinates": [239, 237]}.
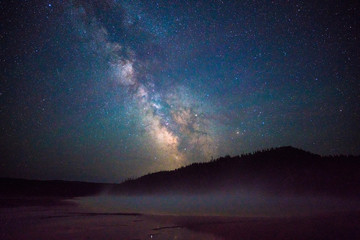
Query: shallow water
{"type": "Point", "coordinates": [58, 223]}
{"type": "Point", "coordinates": [99, 218]}
{"type": "Point", "coordinates": [184, 217]}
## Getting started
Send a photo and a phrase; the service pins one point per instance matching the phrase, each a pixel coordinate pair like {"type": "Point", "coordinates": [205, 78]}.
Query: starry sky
{"type": "Point", "coordinates": [111, 89]}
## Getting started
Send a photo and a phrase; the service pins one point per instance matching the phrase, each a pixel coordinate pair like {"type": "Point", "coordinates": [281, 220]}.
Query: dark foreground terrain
{"type": "Point", "coordinates": [282, 193]}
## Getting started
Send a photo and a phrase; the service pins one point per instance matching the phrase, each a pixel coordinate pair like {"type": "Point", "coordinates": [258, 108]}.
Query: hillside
{"type": "Point", "coordinates": [282, 170]}
{"type": "Point", "coordinates": [53, 188]}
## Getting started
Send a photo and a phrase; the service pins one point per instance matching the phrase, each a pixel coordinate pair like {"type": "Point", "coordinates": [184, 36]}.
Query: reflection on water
{"type": "Point", "coordinates": [250, 204]}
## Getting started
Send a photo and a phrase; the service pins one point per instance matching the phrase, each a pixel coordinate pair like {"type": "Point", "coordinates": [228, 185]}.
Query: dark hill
{"type": "Point", "coordinates": [284, 170]}
{"type": "Point", "coordinates": [23, 192]}
{"type": "Point", "coordinates": [51, 188]}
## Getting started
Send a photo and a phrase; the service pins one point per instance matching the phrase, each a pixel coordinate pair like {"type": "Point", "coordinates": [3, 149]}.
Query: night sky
{"type": "Point", "coordinates": [105, 90]}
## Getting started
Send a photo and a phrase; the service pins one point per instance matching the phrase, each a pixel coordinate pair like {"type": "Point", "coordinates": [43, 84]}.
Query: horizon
{"type": "Point", "coordinates": [102, 91]}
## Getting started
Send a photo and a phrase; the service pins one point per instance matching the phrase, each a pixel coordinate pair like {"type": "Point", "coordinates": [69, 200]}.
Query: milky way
{"type": "Point", "coordinates": [105, 90]}
{"type": "Point", "coordinates": [169, 118]}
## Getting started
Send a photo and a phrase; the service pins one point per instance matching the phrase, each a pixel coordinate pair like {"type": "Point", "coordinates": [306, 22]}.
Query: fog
{"type": "Point", "coordinates": [247, 204]}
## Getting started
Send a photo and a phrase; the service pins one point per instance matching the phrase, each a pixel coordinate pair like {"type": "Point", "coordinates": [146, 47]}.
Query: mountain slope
{"type": "Point", "coordinates": [281, 170]}
{"type": "Point", "coordinates": [51, 188]}
{"type": "Point", "coordinates": [284, 170]}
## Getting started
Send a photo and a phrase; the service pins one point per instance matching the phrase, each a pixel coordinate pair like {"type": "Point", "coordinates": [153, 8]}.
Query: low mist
{"type": "Point", "coordinates": [246, 204]}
